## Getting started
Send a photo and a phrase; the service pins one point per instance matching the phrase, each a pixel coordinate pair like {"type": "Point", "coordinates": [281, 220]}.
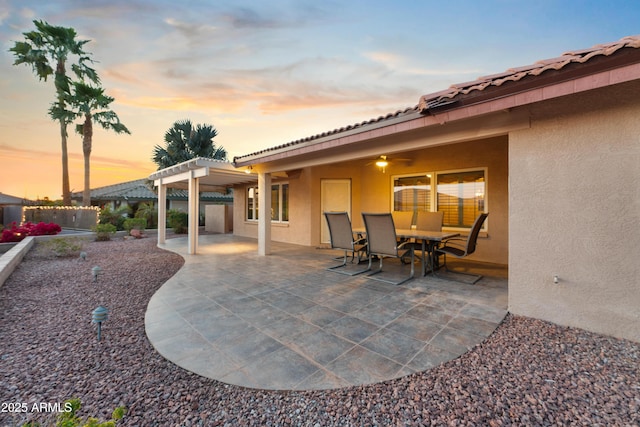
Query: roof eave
{"type": "Point", "coordinates": [320, 143]}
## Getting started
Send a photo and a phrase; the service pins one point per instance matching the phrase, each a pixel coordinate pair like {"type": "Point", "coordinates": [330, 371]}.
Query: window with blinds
{"type": "Point", "coordinates": [412, 193]}
{"type": "Point", "coordinates": [461, 196]}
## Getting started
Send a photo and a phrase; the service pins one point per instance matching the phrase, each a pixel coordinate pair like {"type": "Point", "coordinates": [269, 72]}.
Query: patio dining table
{"type": "Point", "coordinates": [429, 240]}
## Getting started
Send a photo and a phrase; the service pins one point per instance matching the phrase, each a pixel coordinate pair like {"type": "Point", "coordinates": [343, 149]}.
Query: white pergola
{"type": "Point", "coordinates": [202, 174]}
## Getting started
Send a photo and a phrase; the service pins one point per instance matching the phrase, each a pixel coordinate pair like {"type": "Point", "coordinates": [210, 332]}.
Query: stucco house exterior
{"type": "Point", "coordinates": [551, 150]}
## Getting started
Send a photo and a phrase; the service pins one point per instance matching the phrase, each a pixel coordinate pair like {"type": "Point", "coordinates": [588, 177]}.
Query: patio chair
{"type": "Point", "coordinates": [460, 247]}
{"type": "Point", "coordinates": [431, 221]}
{"type": "Point", "coordinates": [402, 219]}
{"type": "Point", "coordinates": [382, 242]}
{"type": "Point", "coordinates": [341, 235]}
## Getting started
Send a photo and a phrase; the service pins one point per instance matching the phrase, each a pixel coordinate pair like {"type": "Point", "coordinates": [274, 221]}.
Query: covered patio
{"type": "Point", "coordinates": [283, 322]}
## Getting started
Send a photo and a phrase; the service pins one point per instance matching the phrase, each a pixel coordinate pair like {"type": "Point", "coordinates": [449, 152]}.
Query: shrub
{"type": "Point", "coordinates": [63, 247]}
{"type": "Point", "coordinates": [104, 231]}
{"type": "Point", "coordinates": [17, 233]}
{"type": "Point", "coordinates": [149, 213]}
{"type": "Point", "coordinates": [137, 223]}
{"type": "Point", "coordinates": [68, 417]}
{"type": "Point", "coordinates": [115, 217]}
{"type": "Point", "coordinates": [43, 229]}
{"type": "Point", "coordinates": [178, 221]}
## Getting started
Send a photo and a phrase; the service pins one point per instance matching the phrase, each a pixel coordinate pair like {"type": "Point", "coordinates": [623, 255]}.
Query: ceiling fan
{"type": "Point", "coordinates": [383, 161]}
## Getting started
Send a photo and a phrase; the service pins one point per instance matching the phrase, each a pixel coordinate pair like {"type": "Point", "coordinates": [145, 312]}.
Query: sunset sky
{"type": "Point", "coordinates": [265, 73]}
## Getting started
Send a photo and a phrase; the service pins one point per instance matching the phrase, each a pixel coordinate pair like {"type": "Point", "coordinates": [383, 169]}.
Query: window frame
{"type": "Point", "coordinates": [433, 188]}
{"type": "Point", "coordinates": [281, 204]}
{"type": "Point", "coordinates": [428, 175]}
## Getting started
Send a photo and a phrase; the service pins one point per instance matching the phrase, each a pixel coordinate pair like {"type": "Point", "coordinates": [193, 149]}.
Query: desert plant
{"type": "Point", "coordinates": [63, 247]}
{"type": "Point", "coordinates": [68, 417]}
{"type": "Point", "coordinates": [17, 233]}
{"type": "Point", "coordinates": [114, 216]}
{"type": "Point", "coordinates": [48, 50]}
{"type": "Point", "coordinates": [149, 213]}
{"type": "Point", "coordinates": [92, 105]}
{"type": "Point", "coordinates": [137, 223]}
{"type": "Point", "coordinates": [178, 221]}
{"type": "Point", "coordinates": [184, 142]}
{"type": "Point", "coordinates": [104, 232]}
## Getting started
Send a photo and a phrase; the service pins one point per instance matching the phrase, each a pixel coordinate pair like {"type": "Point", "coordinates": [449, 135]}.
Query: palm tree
{"type": "Point", "coordinates": [91, 104]}
{"type": "Point", "coordinates": [48, 47]}
{"type": "Point", "coordinates": [183, 143]}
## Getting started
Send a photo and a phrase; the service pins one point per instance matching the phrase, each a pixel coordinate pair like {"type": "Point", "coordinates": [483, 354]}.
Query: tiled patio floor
{"type": "Point", "coordinates": [284, 322]}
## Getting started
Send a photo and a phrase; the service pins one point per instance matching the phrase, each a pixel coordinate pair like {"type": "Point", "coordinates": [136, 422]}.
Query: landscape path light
{"type": "Point", "coordinates": [99, 315]}
{"type": "Point", "coordinates": [95, 272]}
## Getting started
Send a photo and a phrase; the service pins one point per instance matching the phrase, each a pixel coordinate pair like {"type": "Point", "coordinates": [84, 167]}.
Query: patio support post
{"type": "Point", "coordinates": [264, 216]}
{"type": "Point", "coordinates": [162, 212]}
{"type": "Point", "coordinates": [194, 214]}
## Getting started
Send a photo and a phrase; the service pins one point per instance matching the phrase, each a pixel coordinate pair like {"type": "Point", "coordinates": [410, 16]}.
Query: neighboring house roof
{"type": "Point", "coordinates": [6, 199]}
{"type": "Point", "coordinates": [570, 66]}
{"type": "Point", "coordinates": [140, 190]}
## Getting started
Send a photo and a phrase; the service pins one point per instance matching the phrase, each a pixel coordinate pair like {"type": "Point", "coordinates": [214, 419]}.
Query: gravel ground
{"type": "Point", "coordinates": [528, 372]}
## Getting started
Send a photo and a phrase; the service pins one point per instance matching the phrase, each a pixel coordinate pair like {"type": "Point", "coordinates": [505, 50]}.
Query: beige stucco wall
{"type": "Point", "coordinates": [297, 230]}
{"type": "Point", "coordinates": [218, 218]}
{"type": "Point", "coordinates": [372, 189]}
{"type": "Point", "coordinates": [575, 213]}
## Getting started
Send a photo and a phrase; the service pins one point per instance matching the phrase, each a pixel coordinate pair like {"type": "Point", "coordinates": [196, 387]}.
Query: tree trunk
{"type": "Point", "coordinates": [87, 136]}
{"type": "Point", "coordinates": [66, 191]}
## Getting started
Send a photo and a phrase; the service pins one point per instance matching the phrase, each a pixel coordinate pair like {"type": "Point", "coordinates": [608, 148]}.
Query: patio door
{"type": "Point", "coordinates": [335, 196]}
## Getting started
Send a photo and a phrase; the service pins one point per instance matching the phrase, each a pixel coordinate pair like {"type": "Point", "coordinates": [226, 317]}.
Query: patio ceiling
{"type": "Point", "coordinates": [391, 137]}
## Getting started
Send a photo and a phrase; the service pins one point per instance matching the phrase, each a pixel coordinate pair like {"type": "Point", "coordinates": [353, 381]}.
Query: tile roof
{"type": "Point", "coordinates": [451, 96]}
{"type": "Point", "coordinates": [141, 189]}
{"type": "Point", "coordinates": [397, 114]}
{"type": "Point", "coordinates": [448, 96]}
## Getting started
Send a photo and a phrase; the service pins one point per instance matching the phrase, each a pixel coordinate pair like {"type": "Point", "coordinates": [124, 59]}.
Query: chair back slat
{"type": "Point", "coordinates": [430, 221]}
{"type": "Point", "coordinates": [340, 231]}
{"type": "Point", "coordinates": [475, 231]}
{"type": "Point", "coordinates": [381, 234]}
